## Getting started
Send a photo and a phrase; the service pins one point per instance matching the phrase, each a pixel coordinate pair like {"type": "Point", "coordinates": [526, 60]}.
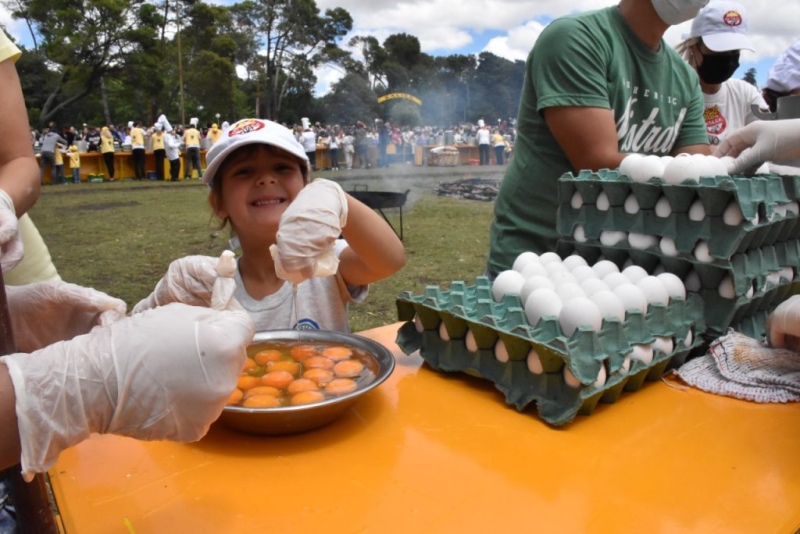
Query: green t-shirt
{"type": "Point", "coordinates": [592, 60]}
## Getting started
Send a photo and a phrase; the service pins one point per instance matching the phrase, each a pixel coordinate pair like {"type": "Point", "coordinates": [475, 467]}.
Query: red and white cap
{"type": "Point", "coordinates": [249, 132]}
{"type": "Point", "coordinates": [723, 26]}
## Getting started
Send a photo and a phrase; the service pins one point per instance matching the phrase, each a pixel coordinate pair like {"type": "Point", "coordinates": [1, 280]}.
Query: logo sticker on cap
{"type": "Point", "coordinates": [732, 18]}
{"type": "Point", "coordinates": [246, 126]}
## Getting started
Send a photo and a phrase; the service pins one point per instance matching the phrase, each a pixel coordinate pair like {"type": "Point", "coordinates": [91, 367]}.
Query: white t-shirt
{"type": "Point", "coordinates": [321, 303]}
{"type": "Point", "coordinates": [729, 109]}
{"type": "Point", "coordinates": [309, 141]}
{"type": "Point", "coordinates": [483, 136]}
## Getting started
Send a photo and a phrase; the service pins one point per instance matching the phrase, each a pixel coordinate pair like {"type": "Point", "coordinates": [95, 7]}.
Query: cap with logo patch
{"type": "Point", "coordinates": [723, 26]}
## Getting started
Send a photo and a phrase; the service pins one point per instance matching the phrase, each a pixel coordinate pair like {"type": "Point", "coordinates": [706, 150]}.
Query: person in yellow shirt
{"type": "Point", "coordinates": [214, 134]}
{"type": "Point", "coordinates": [75, 164]}
{"type": "Point", "coordinates": [159, 150]}
{"type": "Point", "coordinates": [137, 150]}
{"type": "Point", "coordinates": [59, 166]}
{"type": "Point", "coordinates": [107, 149]}
{"type": "Point", "coordinates": [191, 139]}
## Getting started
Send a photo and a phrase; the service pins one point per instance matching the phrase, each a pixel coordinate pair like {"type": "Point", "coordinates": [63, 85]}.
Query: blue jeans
{"type": "Point", "coordinates": [8, 517]}
{"type": "Point", "coordinates": [76, 175]}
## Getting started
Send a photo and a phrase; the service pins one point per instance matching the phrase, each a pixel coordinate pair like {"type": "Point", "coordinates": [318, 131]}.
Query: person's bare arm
{"type": "Point", "coordinates": [692, 149]}
{"type": "Point", "coordinates": [588, 136]}
{"type": "Point", "coordinates": [19, 171]}
{"type": "Point", "coordinates": [375, 252]}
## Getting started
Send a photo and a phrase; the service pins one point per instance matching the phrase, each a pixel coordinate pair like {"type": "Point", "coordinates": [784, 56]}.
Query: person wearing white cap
{"type": "Point", "coordinates": [597, 86]}
{"type": "Point", "coordinates": [784, 76]}
{"type": "Point", "coordinates": [289, 230]}
{"type": "Point", "coordinates": [712, 47]}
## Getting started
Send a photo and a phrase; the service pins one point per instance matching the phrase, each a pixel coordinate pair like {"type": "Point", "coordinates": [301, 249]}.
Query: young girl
{"type": "Point", "coordinates": [259, 179]}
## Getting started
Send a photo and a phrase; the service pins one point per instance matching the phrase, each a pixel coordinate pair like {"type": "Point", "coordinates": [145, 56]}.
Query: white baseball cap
{"type": "Point", "coordinates": [722, 26]}
{"type": "Point", "coordinates": [249, 132]}
{"type": "Point", "coordinates": [784, 75]}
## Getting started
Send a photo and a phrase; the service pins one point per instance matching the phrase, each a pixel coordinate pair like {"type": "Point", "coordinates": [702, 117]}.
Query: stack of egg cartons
{"type": "Point", "coordinates": [564, 335]}
{"type": "Point", "coordinates": [733, 240]}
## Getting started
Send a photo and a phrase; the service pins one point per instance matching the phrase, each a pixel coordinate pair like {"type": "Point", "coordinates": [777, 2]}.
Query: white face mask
{"type": "Point", "coordinates": [676, 11]}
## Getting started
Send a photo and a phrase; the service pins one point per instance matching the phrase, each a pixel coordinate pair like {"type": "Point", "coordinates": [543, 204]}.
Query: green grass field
{"type": "Point", "coordinates": [120, 238]}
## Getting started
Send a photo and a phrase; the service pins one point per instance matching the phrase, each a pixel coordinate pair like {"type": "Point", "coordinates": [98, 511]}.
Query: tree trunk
{"type": "Point", "coordinates": [104, 99]}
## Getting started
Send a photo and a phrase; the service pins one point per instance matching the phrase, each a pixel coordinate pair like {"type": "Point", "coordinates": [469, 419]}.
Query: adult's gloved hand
{"type": "Point", "coordinates": [164, 374]}
{"type": "Point", "coordinates": [308, 230]}
{"type": "Point", "coordinates": [761, 141]}
{"type": "Point", "coordinates": [783, 324]}
{"type": "Point", "coordinates": [197, 281]}
{"type": "Point", "coordinates": [11, 249]}
{"type": "Point", "coordinates": [47, 312]}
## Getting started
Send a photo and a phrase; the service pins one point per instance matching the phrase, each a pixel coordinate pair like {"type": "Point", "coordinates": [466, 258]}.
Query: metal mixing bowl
{"type": "Point", "coordinates": [291, 419]}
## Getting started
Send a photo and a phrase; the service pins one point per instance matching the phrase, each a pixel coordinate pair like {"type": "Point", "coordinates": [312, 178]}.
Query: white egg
{"type": "Point", "coordinates": [555, 267]}
{"type": "Point", "coordinates": [579, 234]}
{"type": "Point", "coordinates": [641, 241]}
{"type": "Point", "coordinates": [697, 212]}
{"type": "Point", "coordinates": [549, 257]}
{"type": "Point", "coordinates": [613, 280]}
{"type": "Point", "coordinates": [582, 272]}
{"type": "Point", "coordinates": [573, 261]}
{"type": "Point", "coordinates": [418, 324]}
{"type": "Point", "coordinates": [610, 305]}
{"type": "Point", "coordinates": [717, 166]}
{"type": "Point", "coordinates": [629, 164]}
{"type": "Point", "coordinates": [680, 169]}
{"type": "Point", "coordinates": [787, 273]}
{"type": "Point", "coordinates": [602, 376]}
{"type": "Point", "coordinates": [470, 342]}
{"type": "Point", "coordinates": [576, 202]}
{"type": "Point", "coordinates": [663, 344]}
{"type": "Point", "coordinates": [778, 209]}
{"type": "Point", "coordinates": [750, 292]}
{"type": "Point", "coordinates": [610, 238]}
{"type": "Point", "coordinates": [727, 161]}
{"type": "Point", "coordinates": [569, 290]}
{"type": "Point", "coordinates": [501, 352]}
{"type": "Point", "coordinates": [687, 341]}
{"type": "Point", "coordinates": [534, 268]}
{"type": "Point", "coordinates": [732, 216]}
{"type": "Point", "coordinates": [627, 263]}
{"type": "Point", "coordinates": [654, 290]}
{"type": "Point", "coordinates": [701, 252]}
{"type": "Point", "coordinates": [534, 363]}
{"type": "Point", "coordinates": [542, 302]}
{"type": "Point", "coordinates": [631, 205]}
{"type": "Point", "coordinates": [592, 285]}
{"type": "Point", "coordinates": [663, 208]}
{"type": "Point", "coordinates": [602, 203]}
{"type": "Point", "coordinates": [603, 267]}
{"type": "Point", "coordinates": [443, 333]}
{"type": "Point", "coordinates": [659, 269]}
{"type": "Point", "coordinates": [793, 208]}
{"type": "Point", "coordinates": [647, 168]}
{"type": "Point", "coordinates": [579, 312]}
{"type": "Point", "coordinates": [667, 246]}
{"type": "Point", "coordinates": [763, 169]}
{"type": "Point", "coordinates": [674, 285]}
{"type": "Point", "coordinates": [634, 273]}
{"type": "Point", "coordinates": [532, 284]}
{"type": "Point", "coordinates": [642, 352]}
{"type": "Point", "coordinates": [703, 166]}
{"type": "Point", "coordinates": [692, 282]}
{"type": "Point", "coordinates": [626, 365]}
{"type": "Point", "coordinates": [562, 277]}
{"type": "Point", "coordinates": [570, 379]}
{"type": "Point", "coordinates": [507, 283]}
{"type": "Point", "coordinates": [524, 259]}
{"type": "Point", "coordinates": [632, 297]}
{"type": "Point", "coordinates": [773, 279]}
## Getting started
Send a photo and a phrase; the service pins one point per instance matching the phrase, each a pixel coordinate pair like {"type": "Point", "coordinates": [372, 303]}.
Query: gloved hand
{"type": "Point", "coordinates": [191, 280]}
{"type": "Point", "coordinates": [308, 230]}
{"type": "Point", "coordinates": [761, 141]}
{"type": "Point", "coordinates": [783, 324]}
{"type": "Point", "coordinates": [46, 312]}
{"type": "Point", "coordinates": [11, 249]}
{"type": "Point", "coordinates": [164, 374]}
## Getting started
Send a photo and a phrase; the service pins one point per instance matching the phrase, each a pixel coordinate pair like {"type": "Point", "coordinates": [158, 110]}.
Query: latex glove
{"type": "Point", "coordinates": [46, 312]}
{"type": "Point", "coordinates": [192, 280]}
{"type": "Point", "coordinates": [11, 249]}
{"type": "Point", "coordinates": [783, 324]}
{"type": "Point", "coordinates": [761, 141]}
{"type": "Point", "coordinates": [308, 230]}
{"type": "Point", "coordinates": [164, 374]}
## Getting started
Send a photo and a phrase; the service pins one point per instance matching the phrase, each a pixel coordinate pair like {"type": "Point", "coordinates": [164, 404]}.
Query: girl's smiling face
{"type": "Point", "coordinates": [256, 184]}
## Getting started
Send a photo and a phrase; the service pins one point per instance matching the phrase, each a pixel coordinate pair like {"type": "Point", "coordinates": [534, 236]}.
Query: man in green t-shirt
{"type": "Point", "coordinates": [597, 85]}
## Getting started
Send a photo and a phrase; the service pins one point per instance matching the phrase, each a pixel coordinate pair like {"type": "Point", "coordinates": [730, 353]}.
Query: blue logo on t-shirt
{"type": "Point", "coordinates": [306, 324]}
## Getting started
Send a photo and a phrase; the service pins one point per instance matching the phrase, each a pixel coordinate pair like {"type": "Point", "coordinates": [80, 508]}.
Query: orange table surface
{"type": "Point", "coordinates": [431, 453]}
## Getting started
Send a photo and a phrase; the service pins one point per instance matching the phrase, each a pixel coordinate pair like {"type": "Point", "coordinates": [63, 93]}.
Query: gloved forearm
{"type": "Point", "coordinates": [761, 141]}
{"type": "Point", "coordinates": [783, 324]}
{"type": "Point", "coordinates": [162, 374]}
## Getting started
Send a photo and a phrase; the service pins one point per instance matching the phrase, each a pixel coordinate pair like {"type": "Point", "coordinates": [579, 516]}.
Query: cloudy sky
{"type": "Point", "coordinates": [508, 28]}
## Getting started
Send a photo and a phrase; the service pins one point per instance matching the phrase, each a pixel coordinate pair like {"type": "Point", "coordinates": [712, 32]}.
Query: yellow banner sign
{"type": "Point", "coordinates": [390, 96]}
